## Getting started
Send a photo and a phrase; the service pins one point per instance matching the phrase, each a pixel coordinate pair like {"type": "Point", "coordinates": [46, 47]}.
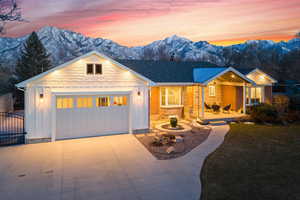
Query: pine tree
{"type": "Point", "coordinates": [33, 60]}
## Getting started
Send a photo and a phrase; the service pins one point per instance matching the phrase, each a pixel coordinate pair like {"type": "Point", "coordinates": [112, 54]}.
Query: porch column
{"type": "Point", "coordinates": [263, 99]}
{"type": "Point", "coordinates": [202, 102]}
{"type": "Point", "coordinates": [249, 92]}
{"type": "Point", "coordinates": [244, 98]}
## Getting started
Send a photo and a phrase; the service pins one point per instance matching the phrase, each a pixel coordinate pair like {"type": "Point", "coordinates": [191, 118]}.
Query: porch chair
{"type": "Point", "coordinates": [207, 107]}
{"type": "Point", "coordinates": [216, 108]}
{"type": "Point", "coordinates": [226, 109]}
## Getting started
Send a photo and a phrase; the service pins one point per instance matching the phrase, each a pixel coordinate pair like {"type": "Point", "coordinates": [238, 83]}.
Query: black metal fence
{"type": "Point", "coordinates": [11, 129]}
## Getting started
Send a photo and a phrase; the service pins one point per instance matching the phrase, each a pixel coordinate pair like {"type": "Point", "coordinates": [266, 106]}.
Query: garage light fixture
{"type": "Point", "coordinates": [41, 97]}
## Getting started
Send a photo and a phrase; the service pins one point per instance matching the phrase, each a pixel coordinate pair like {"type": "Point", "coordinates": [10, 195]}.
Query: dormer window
{"type": "Point", "coordinates": [92, 69]}
{"type": "Point", "coordinates": [89, 69]}
{"type": "Point", "coordinates": [98, 69]}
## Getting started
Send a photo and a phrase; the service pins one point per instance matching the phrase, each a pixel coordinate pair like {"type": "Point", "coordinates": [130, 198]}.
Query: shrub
{"type": "Point", "coordinates": [295, 102]}
{"type": "Point", "coordinates": [264, 113]}
{"type": "Point", "coordinates": [281, 102]}
{"type": "Point", "coordinates": [290, 117]}
{"type": "Point", "coordinates": [173, 122]}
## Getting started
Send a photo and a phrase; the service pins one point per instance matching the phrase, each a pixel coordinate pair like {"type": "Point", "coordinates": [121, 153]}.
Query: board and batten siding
{"type": "Point", "coordinates": [72, 79]}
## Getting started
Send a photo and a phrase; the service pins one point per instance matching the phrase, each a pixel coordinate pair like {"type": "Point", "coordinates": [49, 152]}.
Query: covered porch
{"type": "Point", "coordinates": [223, 95]}
{"type": "Point", "coordinates": [225, 90]}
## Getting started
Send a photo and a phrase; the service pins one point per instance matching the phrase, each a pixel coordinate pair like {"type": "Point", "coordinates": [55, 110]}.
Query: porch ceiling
{"type": "Point", "coordinates": [230, 77]}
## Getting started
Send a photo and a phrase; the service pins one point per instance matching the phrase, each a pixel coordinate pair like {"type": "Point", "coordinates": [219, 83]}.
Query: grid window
{"type": "Point", "coordinates": [98, 69]}
{"type": "Point", "coordinates": [84, 102]}
{"type": "Point", "coordinates": [212, 91]}
{"type": "Point", "coordinates": [170, 96]}
{"type": "Point", "coordinates": [120, 100]}
{"type": "Point", "coordinates": [102, 102]}
{"type": "Point", "coordinates": [62, 103]}
{"type": "Point", "coordinates": [89, 69]}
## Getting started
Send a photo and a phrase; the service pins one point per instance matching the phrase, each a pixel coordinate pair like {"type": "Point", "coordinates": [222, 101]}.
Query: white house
{"type": "Point", "coordinates": [95, 95]}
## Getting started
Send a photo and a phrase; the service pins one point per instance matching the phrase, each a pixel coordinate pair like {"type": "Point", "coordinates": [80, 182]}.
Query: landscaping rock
{"type": "Point", "coordinates": [178, 139]}
{"type": "Point", "coordinates": [170, 150]}
{"type": "Point", "coordinates": [249, 123]}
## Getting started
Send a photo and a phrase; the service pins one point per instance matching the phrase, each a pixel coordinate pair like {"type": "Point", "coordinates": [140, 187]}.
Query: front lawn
{"type": "Point", "coordinates": [255, 162]}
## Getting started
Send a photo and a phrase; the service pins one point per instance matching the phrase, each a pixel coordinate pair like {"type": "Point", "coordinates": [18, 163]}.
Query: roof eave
{"type": "Point", "coordinates": [271, 78]}
{"type": "Point", "coordinates": [227, 70]}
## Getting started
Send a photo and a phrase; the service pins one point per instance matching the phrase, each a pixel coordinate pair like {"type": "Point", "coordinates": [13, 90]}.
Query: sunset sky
{"type": "Point", "coordinates": [139, 22]}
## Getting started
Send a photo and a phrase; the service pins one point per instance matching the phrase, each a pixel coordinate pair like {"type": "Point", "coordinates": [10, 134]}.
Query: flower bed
{"type": "Point", "coordinates": [180, 148]}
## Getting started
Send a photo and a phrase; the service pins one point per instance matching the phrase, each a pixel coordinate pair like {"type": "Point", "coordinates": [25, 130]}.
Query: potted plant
{"type": "Point", "coordinates": [173, 122]}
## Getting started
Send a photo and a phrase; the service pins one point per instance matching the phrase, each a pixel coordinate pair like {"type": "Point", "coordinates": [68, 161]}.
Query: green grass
{"type": "Point", "coordinates": [255, 162]}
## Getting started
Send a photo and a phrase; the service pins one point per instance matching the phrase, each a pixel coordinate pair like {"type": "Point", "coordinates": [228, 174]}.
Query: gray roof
{"type": "Point", "coordinates": [177, 72]}
{"type": "Point", "coordinates": [166, 71]}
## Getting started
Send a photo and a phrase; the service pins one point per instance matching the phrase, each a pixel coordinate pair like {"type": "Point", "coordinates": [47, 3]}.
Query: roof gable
{"type": "Point", "coordinates": [260, 77]}
{"type": "Point", "coordinates": [39, 76]}
{"type": "Point", "coordinates": [205, 75]}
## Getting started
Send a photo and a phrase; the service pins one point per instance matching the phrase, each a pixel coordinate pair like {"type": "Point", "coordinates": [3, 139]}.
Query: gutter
{"type": "Point", "coordinates": [175, 83]}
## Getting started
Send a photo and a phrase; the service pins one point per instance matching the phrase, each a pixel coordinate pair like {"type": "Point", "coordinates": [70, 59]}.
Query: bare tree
{"type": "Point", "coordinates": [9, 11]}
{"type": "Point", "coordinates": [298, 35]}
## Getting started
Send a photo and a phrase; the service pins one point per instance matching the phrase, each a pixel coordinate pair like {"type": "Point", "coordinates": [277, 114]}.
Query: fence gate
{"type": "Point", "coordinates": [11, 129]}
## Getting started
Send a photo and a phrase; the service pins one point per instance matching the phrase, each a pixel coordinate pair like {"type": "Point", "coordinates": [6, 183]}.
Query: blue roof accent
{"type": "Point", "coordinates": [201, 75]}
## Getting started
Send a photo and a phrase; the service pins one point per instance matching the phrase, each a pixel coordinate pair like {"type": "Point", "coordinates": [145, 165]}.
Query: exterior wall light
{"type": "Point", "coordinates": [232, 76]}
{"type": "Point", "coordinates": [139, 93]}
{"type": "Point", "coordinates": [41, 97]}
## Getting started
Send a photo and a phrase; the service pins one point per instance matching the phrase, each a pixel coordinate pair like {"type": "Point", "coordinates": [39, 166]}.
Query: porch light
{"type": "Point", "coordinates": [41, 97]}
{"type": "Point", "coordinates": [232, 76]}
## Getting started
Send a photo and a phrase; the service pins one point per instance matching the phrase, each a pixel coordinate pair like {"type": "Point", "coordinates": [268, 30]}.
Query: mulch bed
{"type": "Point", "coordinates": [191, 140]}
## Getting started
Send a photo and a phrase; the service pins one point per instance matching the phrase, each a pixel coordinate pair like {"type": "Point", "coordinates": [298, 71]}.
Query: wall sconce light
{"type": "Point", "coordinates": [232, 76]}
{"type": "Point", "coordinates": [41, 97]}
{"type": "Point", "coordinates": [139, 93]}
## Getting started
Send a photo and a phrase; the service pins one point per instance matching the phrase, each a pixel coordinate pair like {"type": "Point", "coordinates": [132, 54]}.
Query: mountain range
{"type": "Point", "coordinates": [64, 45]}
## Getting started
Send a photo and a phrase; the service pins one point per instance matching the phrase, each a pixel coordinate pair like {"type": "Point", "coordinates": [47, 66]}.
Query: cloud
{"type": "Point", "coordinates": [136, 22]}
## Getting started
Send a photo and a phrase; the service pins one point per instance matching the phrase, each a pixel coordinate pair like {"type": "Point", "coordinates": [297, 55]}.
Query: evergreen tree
{"type": "Point", "coordinates": [33, 60]}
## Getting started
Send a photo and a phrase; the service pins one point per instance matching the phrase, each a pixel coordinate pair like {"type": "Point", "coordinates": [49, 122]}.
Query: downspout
{"type": "Point", "coordinates": [198, 101]}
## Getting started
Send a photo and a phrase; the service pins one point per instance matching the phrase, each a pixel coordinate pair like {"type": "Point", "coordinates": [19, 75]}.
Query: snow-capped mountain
{"type": "Point", "coordinates": [64, 45]}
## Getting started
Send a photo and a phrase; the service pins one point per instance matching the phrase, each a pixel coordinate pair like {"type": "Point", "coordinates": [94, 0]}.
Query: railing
{"type": "Point", "coordinates": [11, 129]}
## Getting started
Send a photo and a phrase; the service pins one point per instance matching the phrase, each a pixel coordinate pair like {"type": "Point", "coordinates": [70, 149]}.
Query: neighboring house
{"type": "Point", "coordinates": [96, 95]}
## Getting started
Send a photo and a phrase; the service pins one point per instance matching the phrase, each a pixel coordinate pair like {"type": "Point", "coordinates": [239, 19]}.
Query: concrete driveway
{"type": "Point", "coordinates": [106, 168]}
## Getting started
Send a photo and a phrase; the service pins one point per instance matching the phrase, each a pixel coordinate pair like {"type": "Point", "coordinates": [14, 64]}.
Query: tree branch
{"type": "Point", "coordinates": [9, 11]}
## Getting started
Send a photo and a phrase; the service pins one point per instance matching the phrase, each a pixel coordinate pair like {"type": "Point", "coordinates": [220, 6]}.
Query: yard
{"type": "Point", "coordinates": [254, 162]}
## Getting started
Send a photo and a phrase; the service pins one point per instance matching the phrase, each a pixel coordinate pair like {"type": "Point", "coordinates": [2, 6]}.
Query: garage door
{"type": "Point", "coordinates": [85, 116]}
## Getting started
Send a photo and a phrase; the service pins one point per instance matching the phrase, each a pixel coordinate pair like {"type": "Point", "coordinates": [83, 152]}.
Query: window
{"type": "Point", "coordinates": [212, 91]}
{"type": "Point", "coordinates": [98, 69]}
{"type": "Point", "coordinates": [89, 69]}
{"type": "Point", "coordinates": [62, 103]}
{"type": "Point", "coordinates": [170, 96]}
{"type": "Point", "coordinates": [120, 100]}
{"type": "Point", "coordinates": [84, 102]}
{"type": "Point", "coordinates": [102, 101]}
{"type": "Point", "coordinates": [254, 95]}
{"type": "Point", "coordinates": [92, 69]}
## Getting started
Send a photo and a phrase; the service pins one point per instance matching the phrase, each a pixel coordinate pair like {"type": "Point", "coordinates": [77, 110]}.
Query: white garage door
{"type": "Point", "coordinates": [84, 116]}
